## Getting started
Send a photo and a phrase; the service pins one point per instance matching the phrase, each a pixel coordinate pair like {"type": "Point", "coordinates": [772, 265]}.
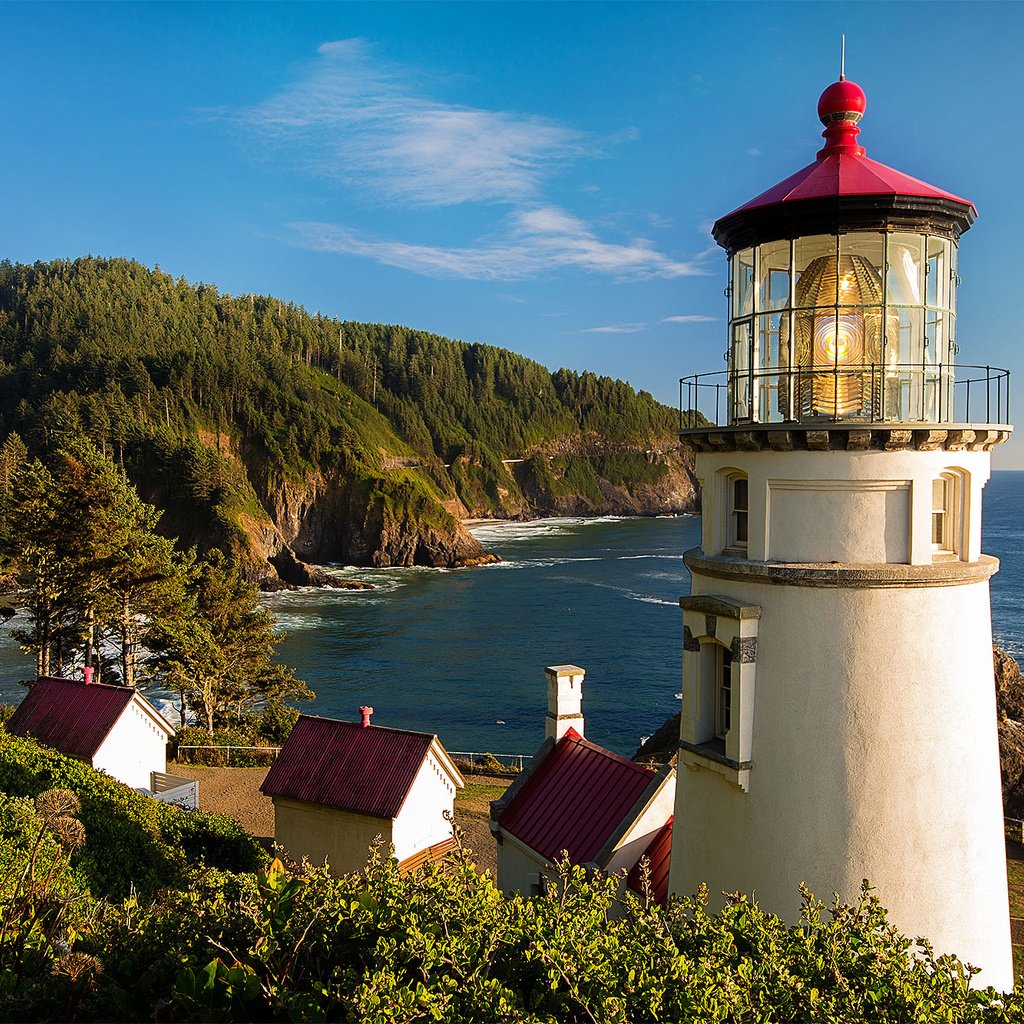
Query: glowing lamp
{"type": "Point", "coordinates": [838, 338]}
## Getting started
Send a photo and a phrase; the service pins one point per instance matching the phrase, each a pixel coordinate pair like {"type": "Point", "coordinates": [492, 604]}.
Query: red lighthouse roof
{"type": "Point", "coordinates": [841, 176]}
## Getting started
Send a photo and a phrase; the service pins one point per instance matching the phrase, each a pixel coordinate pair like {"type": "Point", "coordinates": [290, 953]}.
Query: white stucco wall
{"type": "Point", "coordinates": [134, 747]}
{"type": "Point", "coordinates": [420, 822]}
{"type": "Point", "coordinates": [873, 747]}
{"type": "Point", "coordinates": [871, 506]}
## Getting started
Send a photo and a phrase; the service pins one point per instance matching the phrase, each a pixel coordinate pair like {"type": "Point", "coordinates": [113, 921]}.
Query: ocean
{"type": "Point", "coordinates": [462, 652]}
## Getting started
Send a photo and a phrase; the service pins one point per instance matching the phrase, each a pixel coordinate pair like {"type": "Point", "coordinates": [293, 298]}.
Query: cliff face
{"type": "Point", "coordinates": [1010, 710]}
{"type": "Point", "coordinates": [287, 527]}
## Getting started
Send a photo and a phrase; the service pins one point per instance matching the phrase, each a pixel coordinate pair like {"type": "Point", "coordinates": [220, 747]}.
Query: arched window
{"type": "Point", "coordinates": [947, 515]}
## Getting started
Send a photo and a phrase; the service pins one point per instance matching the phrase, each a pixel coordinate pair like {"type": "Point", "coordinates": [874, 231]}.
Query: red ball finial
{"type": "Point", "coordinates": [842, 101]}
{"type": "Point", "coordinates": [840, 107]}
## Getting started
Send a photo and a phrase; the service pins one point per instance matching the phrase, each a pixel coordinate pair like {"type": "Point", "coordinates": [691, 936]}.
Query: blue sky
{"type": "Point", "coordinates": [538, 176]}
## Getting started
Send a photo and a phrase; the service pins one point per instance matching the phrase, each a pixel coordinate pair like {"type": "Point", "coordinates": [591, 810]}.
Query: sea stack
{"type": "Point", "coordinates": [838, 718]}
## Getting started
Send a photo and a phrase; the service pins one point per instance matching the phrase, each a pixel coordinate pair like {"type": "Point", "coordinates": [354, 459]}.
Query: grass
{"type": "Point", "coordinates": [474, 801]}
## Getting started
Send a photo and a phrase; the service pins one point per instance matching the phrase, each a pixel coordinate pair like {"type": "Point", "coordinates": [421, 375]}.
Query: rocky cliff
{"type": "Point", "coordinates": [282, 529]}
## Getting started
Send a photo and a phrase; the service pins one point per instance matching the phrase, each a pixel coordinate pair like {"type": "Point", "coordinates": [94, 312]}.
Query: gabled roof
{"type": "Point", "coordinates": [575, 799]}
{"type": "Point", "coordinates": [363, 769]}
{"type": "Point", "coordinates": [73, 716]}
{"type": "Point", "coordinates": [658, 855]}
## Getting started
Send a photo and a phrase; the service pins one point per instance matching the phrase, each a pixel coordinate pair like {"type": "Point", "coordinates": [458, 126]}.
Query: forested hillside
{"type": "Point", "coordinates": [281, 435]}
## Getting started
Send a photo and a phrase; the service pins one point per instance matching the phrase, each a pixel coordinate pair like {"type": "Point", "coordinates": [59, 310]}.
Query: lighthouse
{"type": "Point", "coordinates": [838, 717]}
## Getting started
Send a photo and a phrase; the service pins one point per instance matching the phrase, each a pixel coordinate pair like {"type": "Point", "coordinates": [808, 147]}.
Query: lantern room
{"type": "Point", "coordinates": [842, 297]}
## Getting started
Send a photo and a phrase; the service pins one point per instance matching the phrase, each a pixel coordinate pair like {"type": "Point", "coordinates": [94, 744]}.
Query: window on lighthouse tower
{"type": "Point", "coordinates": [723, 711]}
{"type": "Point", "coordinates": [946, 515]}
{"type": "Point", "coordinates": [739, 510]}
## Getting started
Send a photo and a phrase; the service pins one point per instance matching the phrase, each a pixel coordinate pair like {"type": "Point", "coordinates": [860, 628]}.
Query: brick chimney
{"type": "Point", "coordinates": [565, 700]}
{"type": "Point", "coordinates": [366, 712]}
{"type": "Point", "coordinates": [87, 672]}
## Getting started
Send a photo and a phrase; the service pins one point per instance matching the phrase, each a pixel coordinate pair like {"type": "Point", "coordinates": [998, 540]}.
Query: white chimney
{"type": "Point", "coordinates": [565, 700]}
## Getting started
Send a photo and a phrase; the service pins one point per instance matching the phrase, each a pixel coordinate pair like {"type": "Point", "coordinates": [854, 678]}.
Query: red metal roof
{"type": "Point", "coordinates": [846, 174]}
{"type": "Point", "coordinates": [841, 168]}
{"type": "Point", "coordinates": [575, 799]}
{"type": "Point", "coordinates": [69, 714]}
{"type": "Point", "coordinates": [659, 854]}
{"type": "Point", "coordinates": [366, 770]}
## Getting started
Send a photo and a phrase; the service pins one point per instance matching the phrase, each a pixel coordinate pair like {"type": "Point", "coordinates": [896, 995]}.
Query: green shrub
{"type": "Point", "coordinates": [214, 840]}
{"type": "Point", "coordinates": [275, 722]}
{"type": "Point", "coordinates": [132, 841]}
{"type": "Point", "coordinates": [196, 736]}
{"type": "Point", "coordinates": [443, 944]}
{"type": "Point", "coordinates": [42, 902]}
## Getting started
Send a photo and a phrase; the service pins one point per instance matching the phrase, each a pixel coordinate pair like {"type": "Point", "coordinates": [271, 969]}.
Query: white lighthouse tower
{"type": "Point", "coordinates": [839, 714]}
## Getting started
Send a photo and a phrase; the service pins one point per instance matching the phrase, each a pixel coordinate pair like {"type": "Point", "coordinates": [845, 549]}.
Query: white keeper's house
{"type": "Point", "coordinates": [338, 786]}
{"type": "Point", "coordinates": [113, 728]}
{"type": "Point", "coordinates": [839, 714]}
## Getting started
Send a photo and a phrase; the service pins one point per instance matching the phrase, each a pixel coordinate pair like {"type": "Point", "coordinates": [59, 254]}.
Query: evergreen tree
{"type": "Point", "coordinates": [223, 664]}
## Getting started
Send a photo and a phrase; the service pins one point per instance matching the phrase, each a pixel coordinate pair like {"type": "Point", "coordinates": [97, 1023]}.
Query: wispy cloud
{"type": "Point", "coordinates": [531, 241]}
{"type": "Point", "coordinates": [371, 125]}
{"type": "Point", "coordinates": [689, 318]}
{"type": "Point", "coordinates": [615, 329]}
{"type": "Point", "coordinates": [358, 118]}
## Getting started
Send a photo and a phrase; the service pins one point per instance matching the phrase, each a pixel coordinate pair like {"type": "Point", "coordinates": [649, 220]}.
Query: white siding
{"type": "Point", "coordinates": [420, 822]}
{"type": "Point", "coordinates": [135, 746]}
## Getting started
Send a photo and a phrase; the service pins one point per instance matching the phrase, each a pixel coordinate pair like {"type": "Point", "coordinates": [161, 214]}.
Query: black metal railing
{"type": "Point", "coordinates": [866, 393]}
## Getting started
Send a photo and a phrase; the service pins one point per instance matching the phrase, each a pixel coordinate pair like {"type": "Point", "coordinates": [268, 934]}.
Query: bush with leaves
{"type": "Point", "coordinates": [42, 904]}
{"type": "Point", "coordinates": [443, 944]}
{"type": "Point", "coordinates": [132, 840]}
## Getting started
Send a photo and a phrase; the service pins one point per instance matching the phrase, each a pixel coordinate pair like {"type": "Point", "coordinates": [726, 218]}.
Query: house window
{"type": "Point", "coordinates": [723, 709]}
{"type": "Point", "coordinates": [738, 511]}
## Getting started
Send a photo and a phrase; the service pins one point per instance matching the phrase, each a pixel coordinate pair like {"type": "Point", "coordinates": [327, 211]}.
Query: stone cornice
{"type": "Point", "coordinates": [839, 574]}
{"type": "Point", "coordinates": [825, 437]}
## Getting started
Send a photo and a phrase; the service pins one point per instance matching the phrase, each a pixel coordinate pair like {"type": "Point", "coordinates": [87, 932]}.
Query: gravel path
{"type": "Point", "coordinates": [236, 792]}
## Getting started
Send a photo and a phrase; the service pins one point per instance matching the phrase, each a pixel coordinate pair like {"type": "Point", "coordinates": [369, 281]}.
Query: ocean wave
{"type": "Point", "coordinates": [511, 530]}
{"type": "Point", "coordinates": [634, 558]}
{"type": "Point", "coordinates": [634, 595]}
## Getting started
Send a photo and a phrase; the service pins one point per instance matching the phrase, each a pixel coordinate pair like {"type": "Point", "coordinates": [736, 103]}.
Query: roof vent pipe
{"type": "Point", "coordinates": [366, 712]}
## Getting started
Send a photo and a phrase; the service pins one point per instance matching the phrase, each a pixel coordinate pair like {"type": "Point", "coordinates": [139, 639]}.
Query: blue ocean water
{"type": "Point", "coordinates": [462, 652]}
{"type": "Point", "coordinates": [1002, 535]}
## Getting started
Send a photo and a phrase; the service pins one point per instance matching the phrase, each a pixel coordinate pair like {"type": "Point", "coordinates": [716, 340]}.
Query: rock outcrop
{"type": "Point", "coordinates": [1010, 709]}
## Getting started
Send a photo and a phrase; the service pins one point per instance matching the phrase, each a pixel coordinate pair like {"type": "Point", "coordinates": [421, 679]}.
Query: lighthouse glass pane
{"type": "Point", "coordinates": [743, 283]}
{"type": "Point", "coordinates": [953, 253]}
{"type": "Point", "coordinates": [937, 271]}
{"type": "Point", "coordinates": [769, 335]}
{"type": "Point", "coordinates": [773, 275]}
{"type": "Point", "coordinates": [905, 278]}
{"type": "Point", "coordinates": [861, 261]}
{"type": "Point", "coordinates": [814, 263]}
{"type": "Point", "coordinates": [739, 370]}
